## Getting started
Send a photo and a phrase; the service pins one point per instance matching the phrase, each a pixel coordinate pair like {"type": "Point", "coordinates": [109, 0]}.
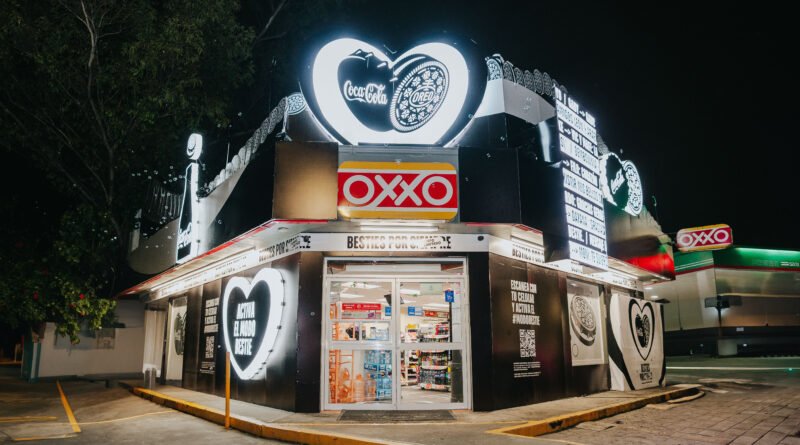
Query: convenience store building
{"type": "Point", "coordinates": [434, 230]}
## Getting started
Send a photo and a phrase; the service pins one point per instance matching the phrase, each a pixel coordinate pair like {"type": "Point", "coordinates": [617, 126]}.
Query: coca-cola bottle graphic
{"type": "Point", "coordinates": [188, 242]}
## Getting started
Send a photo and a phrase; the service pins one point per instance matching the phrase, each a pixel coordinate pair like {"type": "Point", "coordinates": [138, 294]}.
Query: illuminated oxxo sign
{"type": "Point", "coordinates": [252, 311]}
{"type": "Point", "coordinates": [714, 237]}
{"type": "Point", "coordinates": [363, 96]}
{"type": "Point", "coordinates": [622, 185]}
{"type": "Point", "coordinates": [401, 190]}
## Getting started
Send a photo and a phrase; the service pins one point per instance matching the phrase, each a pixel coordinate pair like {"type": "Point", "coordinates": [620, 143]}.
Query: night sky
{"type": "Point", "coordinates": [701, 98]}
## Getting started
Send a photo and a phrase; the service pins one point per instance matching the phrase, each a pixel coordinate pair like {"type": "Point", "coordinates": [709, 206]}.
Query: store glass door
{"type": "Point", "coordinates": [431, 347]}
{"type": "Point", "coordinates": [361, 340]}
{"type": "Point", "coordinates": [395, 343]}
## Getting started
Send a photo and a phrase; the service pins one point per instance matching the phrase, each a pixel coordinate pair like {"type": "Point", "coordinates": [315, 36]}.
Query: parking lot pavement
{"type": "Point", "coordinates": [34, 413]}
{"type": "Point", "coordinates": [745, 403]}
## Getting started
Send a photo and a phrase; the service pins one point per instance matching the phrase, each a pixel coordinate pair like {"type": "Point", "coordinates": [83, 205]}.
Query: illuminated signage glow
{"type": "Point", "coordinates": [714, 237]}
{"type": "Point", "coordinates": [188, 227]}
{"type": "Point", "coordinates": [622, 185]}
{"type": "Point", "coordinates": [252, 311]}
{"type": "Point", "coordinates": [415, 190]}
{"type": "Point", "coordinates": [583, 199]}
{"type": "Point", "coordinates": [366, 97]}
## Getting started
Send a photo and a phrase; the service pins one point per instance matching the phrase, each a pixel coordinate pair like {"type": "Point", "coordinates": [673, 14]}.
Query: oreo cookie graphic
{"type": "Point", "coordinates": [419, 94]}
{"type": "Point", "coordinates": [582, 320]}
{"type": "Point", "coordinates": [621, 183]}
{"type": "Point", "coordinates": [423, 96]}
{"type": "Point", "coordinates": [417, 85]}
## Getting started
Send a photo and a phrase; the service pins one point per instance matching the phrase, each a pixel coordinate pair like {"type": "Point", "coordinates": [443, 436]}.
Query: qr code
{"type": "Point", "coordinates": [527, 343]}
{"type": "Point", "coordinates": [209, 346]}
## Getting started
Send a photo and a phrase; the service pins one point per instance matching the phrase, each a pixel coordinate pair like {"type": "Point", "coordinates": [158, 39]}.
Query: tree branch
{"type": "Point", "coordinates": [269, 22]}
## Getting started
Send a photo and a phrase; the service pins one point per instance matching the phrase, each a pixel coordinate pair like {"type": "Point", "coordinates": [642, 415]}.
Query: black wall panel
{"type": "Point", "coordinates": [480, 320]}
{"type": "Point", "coordinates": [309, 333]}
{"type": "Point", "coordinates": [489, 178]}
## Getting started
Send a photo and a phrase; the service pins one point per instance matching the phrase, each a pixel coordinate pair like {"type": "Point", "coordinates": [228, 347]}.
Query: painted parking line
{"type": "Point", "coordinates": [67, 408]}
{"type": "Point", "coordinates": [22, 419]}
{"type": "Point", "coordinates": [97, 422]}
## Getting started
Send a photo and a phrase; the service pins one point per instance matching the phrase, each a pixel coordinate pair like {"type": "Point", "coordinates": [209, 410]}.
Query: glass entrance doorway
{"type": "Point", "coordinates": [395, 340]}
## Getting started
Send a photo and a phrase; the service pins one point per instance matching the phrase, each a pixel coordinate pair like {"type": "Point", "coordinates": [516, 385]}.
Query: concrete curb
{"type": "Point", "coordinates": [254, 427]}
{"type": "Point", "coordinates": [564, 421]}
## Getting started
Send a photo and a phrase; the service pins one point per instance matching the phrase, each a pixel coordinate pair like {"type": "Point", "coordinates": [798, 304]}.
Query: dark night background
{"type": "Point", "coordinates": [700, 97]}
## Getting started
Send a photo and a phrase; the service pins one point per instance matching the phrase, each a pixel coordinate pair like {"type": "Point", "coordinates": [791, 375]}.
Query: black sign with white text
{"type": "Point", "coordinates": [583, 197]}
{"type": "Point", "coordinates": [528, 354]}
{"type": "Point", "coordinates": [210, 329]}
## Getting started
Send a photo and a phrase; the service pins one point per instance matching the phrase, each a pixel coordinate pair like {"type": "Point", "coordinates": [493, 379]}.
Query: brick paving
{"type": "Point", "coordinates": [744, 414]}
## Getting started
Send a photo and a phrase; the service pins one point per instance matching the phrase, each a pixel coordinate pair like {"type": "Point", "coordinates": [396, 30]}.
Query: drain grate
{"type": "Point", "coordinates": [396, 416]}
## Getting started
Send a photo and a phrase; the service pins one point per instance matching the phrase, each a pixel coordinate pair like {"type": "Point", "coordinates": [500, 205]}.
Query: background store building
{"type": "Point", "coordinates": [758, 295]}
{"type": "Point", "coordinates": [432, 229]}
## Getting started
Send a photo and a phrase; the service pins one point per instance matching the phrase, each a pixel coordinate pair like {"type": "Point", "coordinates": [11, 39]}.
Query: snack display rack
{"type": "Point", "coordinates": [434, 370]}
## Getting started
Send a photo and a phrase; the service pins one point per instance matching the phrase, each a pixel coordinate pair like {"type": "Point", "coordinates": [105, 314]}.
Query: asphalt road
{"type": "Point", "coordinates": [747, 401]}
{"type": "Point", "coordinates": [34, 413]}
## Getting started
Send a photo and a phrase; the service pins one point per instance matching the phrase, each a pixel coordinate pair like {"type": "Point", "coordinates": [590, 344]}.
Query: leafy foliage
{"type": "Point", "coordinates": [94, 92]}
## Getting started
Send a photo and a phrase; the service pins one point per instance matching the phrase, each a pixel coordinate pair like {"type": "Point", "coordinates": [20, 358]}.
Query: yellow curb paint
{"type": "Point", "coordinates": [294, 435]}
{"type": "Point", "coordinates": [70, 416]}
{"type": "Point", "coordinates": [26, 419]}
{"type": "Point", "coordinates": [28, 439]}
{"type": "Point", "coordinates": [443, 423]}
{"type": "Point", "coordinates": [558, 423]}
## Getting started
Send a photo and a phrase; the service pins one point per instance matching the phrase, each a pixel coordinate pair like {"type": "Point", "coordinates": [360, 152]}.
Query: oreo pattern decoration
{"type": "Point", "coordinates": [621, 184]}
{"type": "Point", "coordinates": [582, 320]}
{"type": "Point", "coordinates": [419, 95]}
{"type": "Point", "coordinates": [362, 96]}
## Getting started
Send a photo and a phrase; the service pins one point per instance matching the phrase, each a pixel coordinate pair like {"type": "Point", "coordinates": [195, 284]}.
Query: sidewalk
{"type": "Point", "coordinates": [468, 428]}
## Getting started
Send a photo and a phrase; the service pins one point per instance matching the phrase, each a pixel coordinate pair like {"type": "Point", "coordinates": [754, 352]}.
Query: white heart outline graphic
{"type": "Point", "coordinates": [334, 109]}
{"type": "Point", "coordinates": [632, 324]}
{"type": "Point", "coordinates": [274, 282]}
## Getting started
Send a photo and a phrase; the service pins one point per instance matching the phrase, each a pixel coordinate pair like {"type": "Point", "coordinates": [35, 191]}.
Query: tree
{"type": "Point", "coordinates": [97, 95]}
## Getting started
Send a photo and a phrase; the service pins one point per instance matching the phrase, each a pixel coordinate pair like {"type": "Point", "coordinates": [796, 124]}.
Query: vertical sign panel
{"type": "Point", "coordinates": [583, 198]}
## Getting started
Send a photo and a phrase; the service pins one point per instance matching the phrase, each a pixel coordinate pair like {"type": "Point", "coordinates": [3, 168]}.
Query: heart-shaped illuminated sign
{"type": "Point", "coordinates": [252, 311]}
{"type": "Point", "coordinates": [366, 97]}
{"type": "Point", "coordinates": [642, 323]}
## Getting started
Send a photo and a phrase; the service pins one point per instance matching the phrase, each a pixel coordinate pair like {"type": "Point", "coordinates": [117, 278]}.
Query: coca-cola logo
{"type": "Point", "coordinates": [363, 96]}
{"type": "Point", "coordinates": [372, 93]}
{"type": "Point", "coordinates": [398, 190]}
{"type": "Point", "coordinates": [621, 184]}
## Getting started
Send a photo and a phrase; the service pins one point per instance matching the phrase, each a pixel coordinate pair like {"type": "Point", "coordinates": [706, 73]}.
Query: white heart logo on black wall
{"type": "Point", "coordinates": [252, 311]}
{"type": "Point", "coordinates": [366, 97]}
{"type": "Point", "coordinates": [641, 321]}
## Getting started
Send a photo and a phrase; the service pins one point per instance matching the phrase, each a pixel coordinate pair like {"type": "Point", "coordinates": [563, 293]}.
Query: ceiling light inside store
{"type": "Point", "coordinates": [436, 305]}
{"type": "Point", "coordinates": [359, 285]}
{"type": "Point", "coordinates": [399, 229]}
{"type": "Point", "coordinates": [410, 292]}
{"type": "Point", "coordinates": [346, 296]}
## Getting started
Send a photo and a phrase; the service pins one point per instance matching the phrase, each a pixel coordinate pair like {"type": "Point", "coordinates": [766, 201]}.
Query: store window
{"type": "Point", "coordinates": [396, 342]}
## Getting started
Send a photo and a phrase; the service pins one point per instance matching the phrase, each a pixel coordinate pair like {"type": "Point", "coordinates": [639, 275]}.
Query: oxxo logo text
{"type": "Point", "coordinates": [398, 190]}
{"type": "Point", "coordinates": [714, 237]}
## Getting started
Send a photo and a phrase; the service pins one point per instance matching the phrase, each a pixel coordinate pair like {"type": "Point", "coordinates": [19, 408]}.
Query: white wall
{"type": "Point", "coordinates": [124, 358]}
{"type": "Point", "coordinates": [687, 294]}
